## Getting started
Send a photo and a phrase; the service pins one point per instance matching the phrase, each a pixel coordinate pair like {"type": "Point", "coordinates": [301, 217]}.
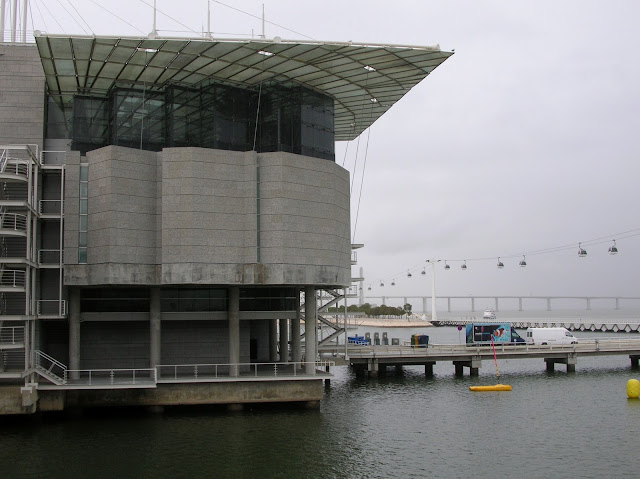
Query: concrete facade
{"type": "Point", "coordinates": [187, 220]}
{"type": "Point", "coordinates": [22, 101]}
{"type": "Point", "coordinates": [214, 217]}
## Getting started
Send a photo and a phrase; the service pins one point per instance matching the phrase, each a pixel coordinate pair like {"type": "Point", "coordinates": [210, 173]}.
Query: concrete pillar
{"type": "Point", "coordinates": [459, 369]}
{"type": "Point", "coordinates": [428, 370]}
{"type": "Point", "coordinates": [424, 304]}
{"type": "Point", "coordinates": [284, 340]}
{"type": "Point", "coordinates": [550, 364]}
{"type": "Point", "coordinates": [372, 367]}
{"type": "Point", "coordinates": [296, 350]}
{"type": "Point", "coordinates": [234, 329]}
{"type": "Point", "coordinates": [635, 361]}
{"type": "Point", "coordinates": [154, 328]}
{"type": "Point", "coordinates": [273, 340]}
{"type": "Point", "coordinates": [74, 331]}
{"type": "Point", "coordinates": [310, 329]}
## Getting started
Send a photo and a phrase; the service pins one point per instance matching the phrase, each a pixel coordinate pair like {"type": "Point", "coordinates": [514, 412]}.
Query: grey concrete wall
{"type": "Point", "coordinates": [244, 392]}
{"type": "Point", "coordinates": [114, 345]}
{"type": "Point", "coordinates": [21, 95]}
{"type": "Point", "coordinates": [305, 221]}
{"type": "Point", "coordinates": [208, 214]}
{"type": "Point", "coordinates": [200, 342]}
{"type": "Point", "coordinates": [122, 206]}
{"type": "Point", "coordinates": [192, 216]}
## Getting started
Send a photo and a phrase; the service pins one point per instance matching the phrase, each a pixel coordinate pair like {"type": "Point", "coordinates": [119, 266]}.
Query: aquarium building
{"type": "Point", "coordinates": [171, 213]}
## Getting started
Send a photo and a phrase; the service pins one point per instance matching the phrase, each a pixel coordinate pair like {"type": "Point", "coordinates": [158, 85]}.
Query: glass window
{"type": "Point", "coordinates": [210, 116]}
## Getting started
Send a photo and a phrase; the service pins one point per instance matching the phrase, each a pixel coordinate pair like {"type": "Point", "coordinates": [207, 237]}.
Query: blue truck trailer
{"type": "Point", "coordinates": [482, 333]}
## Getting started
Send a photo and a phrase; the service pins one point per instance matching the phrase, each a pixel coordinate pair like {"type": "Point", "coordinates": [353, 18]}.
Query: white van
{"type": "Point", "coordinates": [550, 336]}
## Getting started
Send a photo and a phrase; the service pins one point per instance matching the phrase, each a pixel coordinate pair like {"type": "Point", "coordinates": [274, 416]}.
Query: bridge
{"type": "Point", "coordinates": [511, 303]}
{"type": "Point", "coordinates": [373, 360]}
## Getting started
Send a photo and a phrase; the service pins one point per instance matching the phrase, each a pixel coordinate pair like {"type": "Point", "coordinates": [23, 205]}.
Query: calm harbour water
{"type": "Point", "coordinates": [550, 425]}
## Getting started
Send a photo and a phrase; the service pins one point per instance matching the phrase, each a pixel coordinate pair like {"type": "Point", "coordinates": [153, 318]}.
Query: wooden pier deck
{"type": "Point", "coordinates": [370, 360]}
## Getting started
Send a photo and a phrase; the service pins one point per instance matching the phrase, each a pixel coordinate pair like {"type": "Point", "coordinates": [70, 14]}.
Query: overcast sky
{"type": "Point", "coordinates": [526, 139]}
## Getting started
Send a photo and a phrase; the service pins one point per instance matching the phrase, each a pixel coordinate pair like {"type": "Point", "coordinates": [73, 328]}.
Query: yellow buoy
{"type": "Point", "coordinates": [633, 388]}
{"type": "Point", "coordinates": [496, 387]}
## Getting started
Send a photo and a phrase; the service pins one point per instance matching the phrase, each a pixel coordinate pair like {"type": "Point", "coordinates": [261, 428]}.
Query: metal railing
{"type": "Point", "coordinates": [11, 334]}
{"type": "Point", "coordinates": [15, 278]}
{"type": "Point", "coordinates": [14, 166]}
{"type": "Point", "coordinates": [52, 307]}
{"type": "Point", "coordinates": [49, 256]}
{"type": "Point", "coordinates": [50, 366]}
{"type": "Point", "coordinates": [110, 377]}
{"type": "Point", "coordinates": [13, 221]}
{"type": "Point", "coordinates": [226, 371]}
{"type": "Point", "coordinates": [50, 207]}
{"type": "Point", "coordinates": [52, 157]}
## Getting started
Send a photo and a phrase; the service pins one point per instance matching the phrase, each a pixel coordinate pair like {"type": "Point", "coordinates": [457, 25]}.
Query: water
{"type": "Point", "coordinates": [550, 425]}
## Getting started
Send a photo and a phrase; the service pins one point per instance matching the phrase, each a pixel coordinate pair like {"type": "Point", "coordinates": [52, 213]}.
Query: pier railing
{"type": "Point", "coordinates": [209, 372]}
{"type": "Point", "coordinates": [110, 377]}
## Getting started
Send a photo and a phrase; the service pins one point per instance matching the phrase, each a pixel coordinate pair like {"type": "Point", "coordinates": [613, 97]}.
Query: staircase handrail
{"type": "Point", "coordinates": [54, 363]}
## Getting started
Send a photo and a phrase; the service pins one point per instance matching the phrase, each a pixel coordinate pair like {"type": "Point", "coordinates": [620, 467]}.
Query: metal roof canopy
{"type": "Point", "coordinates": [364, 80]}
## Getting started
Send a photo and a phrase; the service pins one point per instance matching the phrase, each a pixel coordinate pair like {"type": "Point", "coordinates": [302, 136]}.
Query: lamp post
{"type": "Point", "coordinates": [434, 316]}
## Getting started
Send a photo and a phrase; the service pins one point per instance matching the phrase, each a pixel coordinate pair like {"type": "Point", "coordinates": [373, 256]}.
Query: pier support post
{"type": "Point", "coordinates": [428, 370]}
{"type": "Point", "coordinates": [296, 350]}
{"type": "Point", "coordinates": [74, 332]}
{"type": "Point", "coordinates": [273, 340]}
{"type": "Point", "coordinates": [372, 368]}
{"type": "Point", "coordinates": [310, 330]}
{"type": "Point", "coordinates": [550, 364]}
{"type": "Point", "coordinates": [635, 362]}
{"type": "Point", "coordinates": [234, 329]}
{"type": "Point", "coordinates": [570, 361]}
{"type": "Point", "coordinates": [155, 352]}
{"type": "Point", "coordinates": [284, 340]}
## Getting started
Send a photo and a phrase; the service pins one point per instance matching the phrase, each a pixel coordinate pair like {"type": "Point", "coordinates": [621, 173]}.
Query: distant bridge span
{"type": "Point", "coordinates": [470, 303]}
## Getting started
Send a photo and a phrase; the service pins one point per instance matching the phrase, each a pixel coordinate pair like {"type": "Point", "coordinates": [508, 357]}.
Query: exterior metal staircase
{"type": "Point", "coordinates": [50, 369]}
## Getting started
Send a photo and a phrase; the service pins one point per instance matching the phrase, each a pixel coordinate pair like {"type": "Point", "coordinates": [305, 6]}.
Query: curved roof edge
{"type": "Point", "coordinates": [364, 79]}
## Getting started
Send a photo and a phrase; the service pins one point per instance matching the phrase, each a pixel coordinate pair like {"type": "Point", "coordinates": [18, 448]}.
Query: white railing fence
{"type": "Point", "coordinates": [11, 334]}
{"type": "Point", "coordinates": [50, 207]}
{"type": "Point", "coordinates": [110, 377]}
{"type": "Point", "coordinates": [14, 278]}
{"type": "Point", "coordinates": [48, 307]}
{"type": "Point", "coordinates": [13, 221]}
{"type": "Point", "coordinates": [204, 372]}
{"type": "Point", "coordinates": [49, 256]}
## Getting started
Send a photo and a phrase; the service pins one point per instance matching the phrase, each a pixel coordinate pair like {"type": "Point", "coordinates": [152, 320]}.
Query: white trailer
{"type": "Point", "coordinates": [550, 336]}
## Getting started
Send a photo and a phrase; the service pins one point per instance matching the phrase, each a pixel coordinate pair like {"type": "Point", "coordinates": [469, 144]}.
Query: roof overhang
{"type": "Point", "coordinates": [365, 80]}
